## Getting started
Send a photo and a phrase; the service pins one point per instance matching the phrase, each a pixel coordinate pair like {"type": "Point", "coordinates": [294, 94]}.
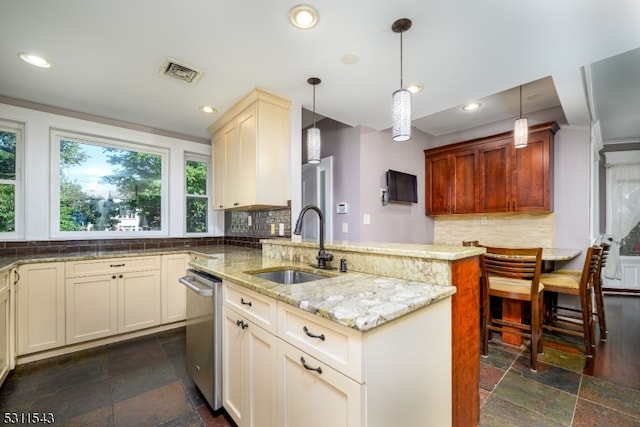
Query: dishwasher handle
{"type": "Point", "coordinates": [192, 283]}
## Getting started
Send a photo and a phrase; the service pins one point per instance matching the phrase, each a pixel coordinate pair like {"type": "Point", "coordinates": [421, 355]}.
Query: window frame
{"type": "Point", "coordinates": [56, 135]}
{"type": "Point", "coordinates": [200, 159]}
{"type": "Point", "coordinates": [19, 213]}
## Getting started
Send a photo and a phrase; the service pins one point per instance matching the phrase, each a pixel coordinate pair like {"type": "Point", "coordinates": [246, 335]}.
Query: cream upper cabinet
{"type": "Point", "coordinates": [40, 306]}
{"type": "Point", "coordinates": [174, 293]}
{"type": "Point", "coordinates": [5, 326]}
{"type": "Point", "coordinates": [249, 387]}
{"type": "Point", "coordinates": [251, 153]}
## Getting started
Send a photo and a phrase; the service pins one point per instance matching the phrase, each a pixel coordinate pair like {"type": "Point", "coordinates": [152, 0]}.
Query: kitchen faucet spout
{"type": "Point", "coordinates": [323, 256]}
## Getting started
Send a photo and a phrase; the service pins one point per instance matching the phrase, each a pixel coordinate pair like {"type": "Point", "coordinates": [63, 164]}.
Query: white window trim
{"type": "Point", "coordinates": [202, 159]}
{"type": "Point", "coordinates": [18, 129]}
{"type": "Point", "coordinates": [54, 221]}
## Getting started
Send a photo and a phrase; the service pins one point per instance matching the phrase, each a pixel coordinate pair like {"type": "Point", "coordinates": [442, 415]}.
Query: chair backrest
{"type": "Point", "coordinates": [513, 263]}
{"type": "Point", "coordinates": [603, 260]}
{"type": "Point", "coordinates": [592, 265]}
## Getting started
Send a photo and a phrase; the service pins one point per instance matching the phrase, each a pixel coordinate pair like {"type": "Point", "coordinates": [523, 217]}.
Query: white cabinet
{"type": "Point", "coordinates": [312, 394]}
{"type": "Point", "coordinates": [396, 374]}
{"type": "Point", "coordinates": [40, 306]}
{"type": "Point", "coordinates": [251, 153]}
{"type": "Point", "coordinates": [249, 357]}
{"type": "Point", "coordinates": [5, 326]}
{"type": "Point", "coordinates": [174, 295]}
{"type": "Point", "coordinates": [109, 296]}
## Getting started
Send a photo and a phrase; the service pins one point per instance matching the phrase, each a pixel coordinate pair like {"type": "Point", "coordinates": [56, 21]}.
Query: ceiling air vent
{"type": "Point", "coordinates": [181, 71]}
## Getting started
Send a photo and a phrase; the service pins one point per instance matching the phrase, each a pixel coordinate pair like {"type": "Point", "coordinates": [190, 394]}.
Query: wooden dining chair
{"type": "Point", "coordinates": [513, 274]}
{"type": "Point", "coordinates": [576, 321]}
{"type": "Point", "coordinates": [597, 288]}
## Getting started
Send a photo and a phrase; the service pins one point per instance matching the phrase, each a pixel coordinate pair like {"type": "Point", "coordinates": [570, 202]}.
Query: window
{"type": "Point", "coordinates": [102, 186]}
{"type": "Point", "coordinates": [11, 148]}
{"type": "Point", "coordinates": [197, 194]}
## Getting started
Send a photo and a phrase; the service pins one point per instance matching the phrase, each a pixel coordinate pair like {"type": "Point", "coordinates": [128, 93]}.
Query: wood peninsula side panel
{"type": "Point", "coordinates": [465, 348]}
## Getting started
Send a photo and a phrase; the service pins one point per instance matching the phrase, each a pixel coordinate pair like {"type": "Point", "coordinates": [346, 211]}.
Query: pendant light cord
{"type": "Point", "coordinates": [401, 85]}
{"type": "Point", "coordinates": [314, 105]}
{"type": "Point", "coordinates": [520, 101]}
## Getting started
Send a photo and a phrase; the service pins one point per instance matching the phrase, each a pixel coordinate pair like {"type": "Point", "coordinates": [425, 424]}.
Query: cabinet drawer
{"type": "Point", "coordinates": [337, 346]}
{"type": "Point", "coordinates": [111, 265]}
{"type": "Point", "coordinates": [258, 308]}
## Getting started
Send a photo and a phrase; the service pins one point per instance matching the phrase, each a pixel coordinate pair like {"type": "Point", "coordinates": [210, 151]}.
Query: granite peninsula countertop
{"type": "Point", "coordinates": [357, 300]}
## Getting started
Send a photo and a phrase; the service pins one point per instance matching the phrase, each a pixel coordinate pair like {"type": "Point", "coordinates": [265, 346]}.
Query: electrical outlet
{"type": "Point", "coordinates": [280, 229]}
{"type": "Point", "coordinates": [366, 219]}
{"type": "Point", "coordinates": [345, 227]}
{"type": "Point", "coordinates": [484, 221]}
{"type": "Point", "coordinates": [249, 220]}
{"type": "Point", "coordinates": [273, 229]}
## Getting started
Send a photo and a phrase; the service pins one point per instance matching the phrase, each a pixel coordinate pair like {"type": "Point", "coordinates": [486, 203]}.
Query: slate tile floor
{"type": "Point", "coordinates": [568, 389]}
{"type": "Point", "coordinates": [143, 382]}
{"type": "Point", "coordinates": [140, 382]}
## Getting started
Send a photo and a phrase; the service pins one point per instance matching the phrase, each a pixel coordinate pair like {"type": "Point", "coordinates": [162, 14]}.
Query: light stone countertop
{"type": "Point", "coordinates": [357, 300]}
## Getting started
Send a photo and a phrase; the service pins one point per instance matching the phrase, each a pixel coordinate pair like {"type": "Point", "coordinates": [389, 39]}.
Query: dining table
{"type": "Point", "coordinates": [514, 310]}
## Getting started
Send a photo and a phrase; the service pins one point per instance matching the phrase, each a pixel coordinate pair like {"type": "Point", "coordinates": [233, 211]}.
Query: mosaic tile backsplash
{"type": "Point", "coordinates": [262, 222]}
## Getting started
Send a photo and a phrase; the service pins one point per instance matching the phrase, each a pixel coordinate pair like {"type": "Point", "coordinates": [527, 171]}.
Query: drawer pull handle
{"type": "Point", "coordinates": [312, 335]}
{"type": "Point", "coordinates": [242, 301]}
{"type": "Point", "coordinates": [304, 363]}
{"type": "Point", "coordinates": [242, 324]}
{"type": "Point", "coordinates": [116, 265]}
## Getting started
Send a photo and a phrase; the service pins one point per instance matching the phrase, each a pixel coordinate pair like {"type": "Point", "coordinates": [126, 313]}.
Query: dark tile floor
{"type": "Point", "coordinates": [143, 382]}
{"type": "Point", "coordinates": [567, 390]}
{"type": "Point", "coordinates": [140, 382]}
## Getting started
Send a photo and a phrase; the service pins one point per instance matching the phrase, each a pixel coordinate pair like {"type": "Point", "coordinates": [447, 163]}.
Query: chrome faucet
{"type": "Point", "coordinates": [323, 256]}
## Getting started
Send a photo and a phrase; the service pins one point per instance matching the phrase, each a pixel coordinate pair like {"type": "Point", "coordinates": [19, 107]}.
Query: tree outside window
{"type": "Point", "coordinates": [197, 196]}
{"type": "Point", "coordinates": [108, 188]}
{"type": "Point", "coordinates": [10, 138]}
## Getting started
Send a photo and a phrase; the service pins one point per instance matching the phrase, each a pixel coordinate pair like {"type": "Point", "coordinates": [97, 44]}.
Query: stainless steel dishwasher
{"type": "Point", "coordinates": [204, 334]}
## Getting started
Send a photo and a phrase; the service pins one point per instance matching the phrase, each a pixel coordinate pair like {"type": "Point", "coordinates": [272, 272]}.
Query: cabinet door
{"type": "Point", "coordinates": [91, 307]}
{"type": "Point", "coordinates": [174, 293]}
{"type": "Point", "coordinates": [261, 398]}
{"type": "Point", "coordinates": [464, 191]}
{"type": "Point", "coordinates": [139, 296]}
{"type": "Point", "coordinates": [532, 186]}
{"type": "Point", "coordinates": [438, 184]}
{"type": "Point", "coordinates": [312, 394]}
{"type": "Point", "coordinates": [248, 163]}
{"type": "Point", "coordinates": [495, 176]}
{"type": "Point", "coordinates": [40, 307]}
{"type": "Point", "coordinates": [219, 167]}
{"type": "Point", "coordinates": [233, 167]}
{"type": "Point", "coordinates": [5, 327]}
{"type": "Point", "coordinates": [233, 383]}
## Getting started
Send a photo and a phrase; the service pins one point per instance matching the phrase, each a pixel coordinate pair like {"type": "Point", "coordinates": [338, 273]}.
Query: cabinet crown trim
{"type": "Point", "coordinates": [252, 97]}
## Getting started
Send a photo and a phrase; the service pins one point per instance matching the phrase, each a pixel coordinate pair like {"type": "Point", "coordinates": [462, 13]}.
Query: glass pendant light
{"type": "Point", "coordinates": [314, 142]}
{"type": "Point", "coordinates": [401, 97]}
{"type": "Point", "coordinates": [521, 128]}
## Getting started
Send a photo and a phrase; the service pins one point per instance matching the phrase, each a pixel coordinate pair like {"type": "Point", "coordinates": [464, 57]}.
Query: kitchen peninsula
{"type": "Point", "coordinates": [413, 348]}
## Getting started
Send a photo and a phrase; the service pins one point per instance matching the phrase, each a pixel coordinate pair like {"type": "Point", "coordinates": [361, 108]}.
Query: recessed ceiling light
{"type": "Point", "coordinates": [350, 58]}
{"type": "Point", "coordinates": [303, 16]}
{"type": "Point", "coordinates": [415, 88]}
{"type": "Point", "coordinates": [208, 109]}
{"type": "Point", "coordinates": [471, 106]}
{"type": "Point", "coordinates": [34, 60]}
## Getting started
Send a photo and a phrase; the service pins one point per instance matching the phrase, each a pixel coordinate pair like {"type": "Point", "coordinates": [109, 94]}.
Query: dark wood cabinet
{"type": "Point", "coordinates": [488, 175]}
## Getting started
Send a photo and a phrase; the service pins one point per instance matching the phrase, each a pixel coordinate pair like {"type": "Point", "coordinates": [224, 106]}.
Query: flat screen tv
{"type": "Point", "coordinates": [402, 187]}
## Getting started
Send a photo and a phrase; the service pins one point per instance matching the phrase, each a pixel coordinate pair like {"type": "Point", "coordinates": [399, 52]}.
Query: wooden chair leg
{"type": "Point", "coordinates": [602, 323]}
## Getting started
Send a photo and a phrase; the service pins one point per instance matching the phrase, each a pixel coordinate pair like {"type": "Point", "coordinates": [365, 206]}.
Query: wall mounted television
{"type": "Point", "coordinates": [402, 187]}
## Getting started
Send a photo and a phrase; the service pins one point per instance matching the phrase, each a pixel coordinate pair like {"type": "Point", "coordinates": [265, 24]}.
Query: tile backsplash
{"type": "Point", "coordinates": [237, 223]}
{"type": "Point", "coordinates": [532, 229]}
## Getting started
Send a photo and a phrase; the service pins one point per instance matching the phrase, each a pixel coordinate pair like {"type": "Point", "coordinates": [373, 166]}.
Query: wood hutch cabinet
{"type": "Point", "coordinates": [489, 174]}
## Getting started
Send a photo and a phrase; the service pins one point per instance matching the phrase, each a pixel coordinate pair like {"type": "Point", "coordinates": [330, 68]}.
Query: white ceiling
{"type": "Point", "coordinates": [106, 57]}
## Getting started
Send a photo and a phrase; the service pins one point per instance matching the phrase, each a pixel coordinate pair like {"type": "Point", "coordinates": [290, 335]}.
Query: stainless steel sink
{"type": "Point", "coordinates": [287, 276]}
